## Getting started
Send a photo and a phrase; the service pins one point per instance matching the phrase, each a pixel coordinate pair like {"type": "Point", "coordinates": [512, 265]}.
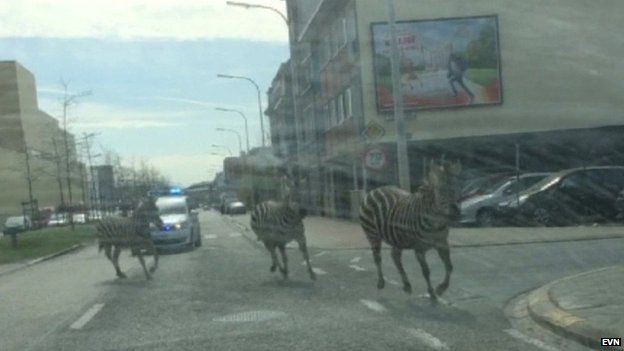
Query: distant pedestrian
{"type": "Point", "coordinates": [457, 67]}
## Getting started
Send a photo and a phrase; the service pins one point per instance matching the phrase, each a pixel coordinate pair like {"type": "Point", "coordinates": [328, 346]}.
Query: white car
{"type": "Point", "coordinates": [58, 220]}
{"type": "Point", "coordinates": [17, 224]}
{"type": "Point", "coordinates": [481, 207]}
{"type": "Point", "coordinates": [180, 228]}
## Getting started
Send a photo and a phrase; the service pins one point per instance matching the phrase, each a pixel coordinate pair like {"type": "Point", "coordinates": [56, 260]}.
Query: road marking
{"type": "Point", "coordinates": [356, 259]}
{"type": "Point", "coordinates": [357, 268]}
{"type": "Point", "coordinates": [210, 236]}
{"type": "Point", "coordinates": [537, 343]}
{"type": "Point", "coordinates": [235, 235]}
{"type": "Point", "coordinates": [87, 316]}
{"type": "Point", "coordinates": [320, 254]}
{"type": "Point", "coordinates": [373, 305]}
{"type": "Point", "coordinates": [438, 298]}
{"type": "Point", "coordinates": [318, 271]}
{"type": "Point", "coordinates": [427, 339]}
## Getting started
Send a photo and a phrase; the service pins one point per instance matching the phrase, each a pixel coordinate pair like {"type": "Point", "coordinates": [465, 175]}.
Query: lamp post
{"type": "Point", "coordinates": [397, 96]}
{"type": "Point", "coordinates": [244, 117]}
{"type": "Point", "coordinates": [261, 115]}
{"type": "Point", "coordinates": [240, 144]}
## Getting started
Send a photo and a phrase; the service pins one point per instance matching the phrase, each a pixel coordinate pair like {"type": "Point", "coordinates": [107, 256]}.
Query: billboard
{"type": "Point", "coordinates": [448, 62]}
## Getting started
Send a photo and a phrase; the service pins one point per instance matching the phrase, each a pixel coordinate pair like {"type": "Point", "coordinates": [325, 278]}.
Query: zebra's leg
{"type": "Point", "coordinates": [396, 256]}
{"type": "Point", "coordinates": [107, 251]}
{"type": "Point", "coordinates": [116, 252]}
{"type": "Point", "coordinates": [152, 248]}
{"type": "Point", "coordinates": [284, 268]}
{"type": "Point", "coordinates": [445, 256]}
{"type": "Point", "coordinates": [376, 248]}
{"type": "Point", "coordinates": [142, 261]}
{"type": "Point", "coordinates": [306, 256]}
{"type": "Point", "coordinates": [274, 262]}
{"type": "Point", "coordinates": [420, 256]}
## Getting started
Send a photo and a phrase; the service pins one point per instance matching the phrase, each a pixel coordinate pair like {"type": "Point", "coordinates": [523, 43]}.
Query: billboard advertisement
{"type": "Point", "coordinates": [448, 62]}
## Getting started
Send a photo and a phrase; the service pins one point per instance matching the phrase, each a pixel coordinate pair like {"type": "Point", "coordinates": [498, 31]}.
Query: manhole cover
{"type": "Point", "coordinates": [250, 316]}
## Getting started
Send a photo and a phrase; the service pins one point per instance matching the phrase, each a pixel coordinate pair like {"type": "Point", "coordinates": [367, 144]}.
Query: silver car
{"type": "Point", "coordinates": [480, 208]}
{"type": "Point", "coordinates": [180, 228]}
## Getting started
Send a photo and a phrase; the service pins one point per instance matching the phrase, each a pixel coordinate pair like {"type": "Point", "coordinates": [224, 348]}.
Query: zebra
{"type": "Point", "coordinates": [276, 223]}
{"type": "Point", "coordinates": [418, 221]}
{"type": "Point", "coordinates": [116, 233]}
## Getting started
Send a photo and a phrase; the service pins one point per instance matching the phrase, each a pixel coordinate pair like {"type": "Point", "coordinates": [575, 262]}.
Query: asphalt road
{"type": "Point", "coordinates": [223, 297]}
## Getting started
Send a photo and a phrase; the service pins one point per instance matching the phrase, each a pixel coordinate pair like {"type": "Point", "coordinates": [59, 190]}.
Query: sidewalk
{"type": "Point", "coordinates": [329, 233]}
{"type": "Point", "coordinates": [583, 307]}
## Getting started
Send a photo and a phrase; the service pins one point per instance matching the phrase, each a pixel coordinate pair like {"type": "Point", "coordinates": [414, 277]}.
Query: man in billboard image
{"type": "Point", "coordinates": [457, 67]}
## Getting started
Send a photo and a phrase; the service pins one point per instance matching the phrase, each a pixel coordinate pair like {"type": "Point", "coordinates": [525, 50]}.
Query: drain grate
{"type": "Point", "coordinates": [250, 316]}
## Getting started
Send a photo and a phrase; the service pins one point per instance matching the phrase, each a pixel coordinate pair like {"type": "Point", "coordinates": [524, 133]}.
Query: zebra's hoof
{"type": "Point", "coordinates": [433, 297]}
{"type": "Point", "coordinates": [312, 276]}
{"type": "Point", "coordinates": [152, 269]}
{"type": "Point", "coordinates": [441, 289]}
{"type": "Point", "coordinates": [407, 288]}
{"type": "Point", "coordinates": [273, 268]}
{"type": "Point", "coordinates": [148, 277]}
{"type": "Point", "coordinates": [121, 275]}
{"type": "Point", "coordinates": [381, 284]}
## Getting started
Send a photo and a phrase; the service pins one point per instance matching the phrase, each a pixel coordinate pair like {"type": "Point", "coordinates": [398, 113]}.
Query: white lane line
{"type": "Point", "coordinates": [78, 324]}
{"type": "Point", "coordinates": [439, 299]}
{"type": "Point", "coordinates": [210, 236]}
{"type": "Point", "coordinates": [357, 268]}
{"type": "Point", "coordinates": [427, 339]}
{"type": "Point", "coordinates": [320, 254]}
{"type": "Point", "coordinates": [373, 305]}
{"type": "Point", "coordinates": [537, 343]}
{"type": "Point", "coordinates": [318, 271]}
{"type": "Point", "coordinates": [356, 259]}
{"type": "Point", "coordinates": [234, 235]}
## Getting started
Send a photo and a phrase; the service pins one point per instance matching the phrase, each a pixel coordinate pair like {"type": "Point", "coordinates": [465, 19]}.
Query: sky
{"type": "Point", "coordinates": [151, 67]}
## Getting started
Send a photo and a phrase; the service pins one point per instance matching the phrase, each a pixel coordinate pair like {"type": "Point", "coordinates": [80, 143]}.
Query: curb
{"type": "Point", "coordinates": [43, 259]}
{"type": "Point", "coordinates": [544, 310]}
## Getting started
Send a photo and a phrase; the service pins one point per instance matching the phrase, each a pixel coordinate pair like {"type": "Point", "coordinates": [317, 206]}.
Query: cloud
{"type": "Point", "coordinates": [87, 116]}
{"type": "Point", "coordinates": [187, 169]}
{"type": "Point", "coordinates": [141, 19]}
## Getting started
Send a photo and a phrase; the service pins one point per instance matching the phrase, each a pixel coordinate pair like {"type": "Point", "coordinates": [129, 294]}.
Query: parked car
{"type": "Point", "coordinates": [481, 207]}
{"type": "Point", "coordinates": [79, 218]}
{"type": "Point", "coordinates": [568, 197]}
{"type": "Point", "coordinates": [236, 207]}
{"type": "Point", "coordinates": [180, 228]}
{"type": "Point", "coordinates": [58, 220]}
{"type": "Point", "coordinates": [478, 186]}
{"type": "Point", "coordinates": [17, 224]}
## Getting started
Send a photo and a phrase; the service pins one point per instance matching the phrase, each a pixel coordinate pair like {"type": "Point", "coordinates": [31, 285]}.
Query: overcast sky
{"type": "Point", "coordinates": [151, 66]}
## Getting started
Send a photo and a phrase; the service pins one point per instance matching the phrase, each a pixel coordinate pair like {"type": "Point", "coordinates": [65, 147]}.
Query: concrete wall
{"type": "Point", "coordinates": [561, 60]}
{"type": "Point", "coordinates": [21, 124]}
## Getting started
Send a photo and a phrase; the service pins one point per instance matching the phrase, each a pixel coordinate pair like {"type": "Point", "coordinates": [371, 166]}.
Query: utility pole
{"type": "Point", "coordinates": [69, 100]}
{"type": "Point", "coordinates": [92, 190]}
{"type": "Point", "coordinates": [29, 179]}
{"type": "Point", "coordinates": [397, 96]}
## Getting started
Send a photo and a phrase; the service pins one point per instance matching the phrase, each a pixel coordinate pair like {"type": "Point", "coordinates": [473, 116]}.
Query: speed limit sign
{"type": "Point", "coordinates": [375, 159]}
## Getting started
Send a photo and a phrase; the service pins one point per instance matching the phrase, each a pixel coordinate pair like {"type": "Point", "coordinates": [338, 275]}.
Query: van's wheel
{"type": "Point", "coordinates": [486, 217]}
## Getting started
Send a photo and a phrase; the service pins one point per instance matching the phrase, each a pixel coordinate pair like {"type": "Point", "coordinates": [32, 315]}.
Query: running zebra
{"type": "Point", "coordinates": [418, 221]}
{"type": "Point", "coordinates": [116, 233]}
{"type": "Point", "coordinates": [278, 223]}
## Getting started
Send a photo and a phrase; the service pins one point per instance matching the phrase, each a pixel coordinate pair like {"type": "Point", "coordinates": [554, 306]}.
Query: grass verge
{"type": "Point", "coordinates": [38, 243]}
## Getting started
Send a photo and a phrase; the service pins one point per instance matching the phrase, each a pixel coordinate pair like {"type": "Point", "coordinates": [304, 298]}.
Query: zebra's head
{"type": "Point", "coordinates": [442, 178]}
{"type": "Point", "coordinates": [146, 212]}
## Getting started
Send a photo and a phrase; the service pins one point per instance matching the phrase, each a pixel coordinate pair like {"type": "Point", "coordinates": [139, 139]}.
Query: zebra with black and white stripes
{"type": "Point", "coordinates": [117, 233]}
{"type": "Point", "coordinates": [418, 221]}
{"type": "Point", "coordinates": [276, 223]}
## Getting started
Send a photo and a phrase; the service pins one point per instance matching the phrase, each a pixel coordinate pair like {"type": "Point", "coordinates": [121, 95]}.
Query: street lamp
{"type": "Point", "coordinates": [227, 76]}
{"type": "Point", "coordinates": [250, 6]}
{"type": "Point", "coordinates": [223, 147]}
{"type": "Point", "coordinates": [240, 144]}
{"type": "Point", "coordinates": [244, 117]}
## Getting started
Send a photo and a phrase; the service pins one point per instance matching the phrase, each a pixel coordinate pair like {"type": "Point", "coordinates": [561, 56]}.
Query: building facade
{"type": "Point", "coordinates": [480, 80]}
{"type": "Point", "coordinates": [32, 154]}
